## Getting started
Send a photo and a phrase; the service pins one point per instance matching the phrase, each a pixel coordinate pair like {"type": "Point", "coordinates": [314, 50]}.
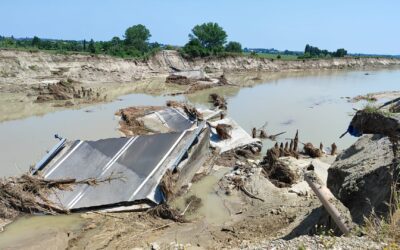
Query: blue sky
{"type": "Point", "coordinates": [357, 25]}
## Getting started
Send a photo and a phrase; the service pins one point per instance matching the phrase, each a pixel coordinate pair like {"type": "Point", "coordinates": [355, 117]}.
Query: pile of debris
{"type": "Point", "coordinates": [130, 124]}
{"type": "Point", "coordinates": [178, 79]}
{"type": "Point", "coordinates": [196, 80]}
{"type": "Point", "coordinates": [140, 120]}
{"type": "Point", "coordinates": [218, 101]}
{"type": "Point", "coordinates": [279, 172]}
{"type": "Point", "coordinates": [66, 90]}
{"type": "Point", "coordinates": [262, 134]}
{"type": "Point", "coordinates": [29, 194]}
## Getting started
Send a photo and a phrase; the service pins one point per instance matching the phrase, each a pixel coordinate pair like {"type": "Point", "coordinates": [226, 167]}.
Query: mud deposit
{"type": "Point", "coordinates": [40, 232]}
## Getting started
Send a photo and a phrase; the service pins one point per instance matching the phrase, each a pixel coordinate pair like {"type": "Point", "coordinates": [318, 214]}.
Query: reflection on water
{"type": "Point", "coordinates": [312, 103]}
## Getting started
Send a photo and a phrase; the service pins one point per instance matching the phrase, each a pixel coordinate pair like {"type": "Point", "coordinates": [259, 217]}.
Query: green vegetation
{"type": "Point", "coordinates": [315, 52]}
{"type": "Point", "coordinates": [372, 109]}
{"type": "Point", "coordinates": [233, 47]}
{"type": "Point", "coordinates": [209, 39]}
{"type": "Point", "coordinates": [288, 57]}
{"type": "Point", "coordinates": [135, 45]}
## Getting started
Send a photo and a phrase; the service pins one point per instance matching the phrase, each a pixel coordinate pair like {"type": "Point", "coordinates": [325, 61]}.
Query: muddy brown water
{"type": "Point", "coordinates": [313, 103]}
{"type": "Point", "coordinates": [40, 232]}
{"type": "Point", "coordinates": [211, 208]}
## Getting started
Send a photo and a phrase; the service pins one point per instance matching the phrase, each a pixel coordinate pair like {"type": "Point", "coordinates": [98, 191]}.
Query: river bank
{"type": "Point", "coordinates": [25, 75]}
{"type": "Point", "coordinates": [23, 67]}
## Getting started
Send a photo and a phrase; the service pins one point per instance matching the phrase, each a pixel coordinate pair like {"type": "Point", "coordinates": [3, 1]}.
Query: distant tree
{"type": "Point", "coordinates": [155, 45]}
{"type": "Point", "coordinates": [233, 47]}
{"type": "Point", "coordinates": [91, 47]}
{"type": "Point", "coordinates": [340, 53]}
{"type": "Point", "coordinates": [210, 35]}
{"type": "Point", "coordinates": [84, 45]}
{"type": "Point", "coordinates": [35, 41]}
{"type": "Point", "coordinates": [194, 48]}
{"type": "Point", "coordinates": [307, 49]}
{"type": "Point", "coordinates": [116, 41]}
{"type": "Point", "coordinates": [46, 44]}
{"type": "Point", "coordinates": [137, 37]}
{"type": "Point", "coordinates": [9, 42]}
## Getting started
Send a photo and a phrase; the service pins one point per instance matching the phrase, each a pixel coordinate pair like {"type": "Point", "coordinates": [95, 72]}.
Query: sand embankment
{"type": "Point", "coordinates": [23, 67]}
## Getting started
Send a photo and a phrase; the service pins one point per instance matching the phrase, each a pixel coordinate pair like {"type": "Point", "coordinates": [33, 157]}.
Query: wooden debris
{"type": "Point", "coordinates": [273, 137]}
{"type": "Point", "coordinates": [281, 150]}
{"type": "Point", "coordinates": [218, 101]}
{"type": "Point", "coordinates": [178, 79]}
{"type": "Point", "coordinates": [190, 110]}
{"type": "Point", "coordinates": [263, 134]}
{"type": "Point", "coordinates": [223, 131]}
{"type": "Point", "coordinates": [244, 153]}
{"type": "Point", "coordinates": [130, 123]}
{"type": "Point", "coordinates": [279, 173]}
{"type": "Point", "coordinates": [164, 211]}
{"type": "Point", "coordinates": [334, 149]}
{"type": "Point", "coordinates": [311, 151]}
{"type": "Point", "coordinates": [167, 185]}
{"type": "Point", "coordinates": [296, 141]}
{"type": "Point", "coordinates": [29, 194]}
{"type": "Point", "coordinates": [222, 80]}
{"type": "Point", "coordinates": [239, 184]}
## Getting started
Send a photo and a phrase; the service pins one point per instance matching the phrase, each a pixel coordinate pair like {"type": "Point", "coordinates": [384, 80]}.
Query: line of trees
{"type": "Point", "coordinates": [315, 52]}
{"type": "Point", "coordinates": [135, 44]}
{"type": "Point", "coordinates": [207, 39]}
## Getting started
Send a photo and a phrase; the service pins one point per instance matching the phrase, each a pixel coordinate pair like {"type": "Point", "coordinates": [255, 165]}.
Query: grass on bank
{"type": "Point", "coordinates": [385, 229]}
{"type": "Point", "coordinates": [273, 56]}
{"type": "Point", "coordinates": [373, 109]}
{"type": "Point", "coordinates": [144, 56]}
{"type": "Point", "coordinates": [152, 52]}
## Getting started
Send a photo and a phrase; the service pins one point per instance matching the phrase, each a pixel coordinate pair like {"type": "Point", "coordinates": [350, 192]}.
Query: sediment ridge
{"type": "Point", "coordinates": [24, 67]}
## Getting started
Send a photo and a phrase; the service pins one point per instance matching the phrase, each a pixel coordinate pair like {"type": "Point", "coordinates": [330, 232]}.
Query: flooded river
{"type": "Point", "coordinates": [314, 103]}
